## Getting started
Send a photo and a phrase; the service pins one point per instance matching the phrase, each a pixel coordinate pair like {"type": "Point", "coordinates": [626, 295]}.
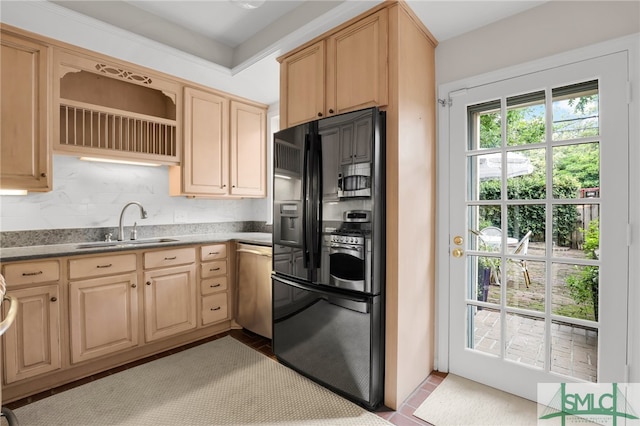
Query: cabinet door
{"type": "Point", "coordinates": [206, 143]}
{"type": "Point", "coordinates": [103, 315]}
{"type": "Point", "coordinates": [169, 301]}
{"type": "Point", "coordinates": [330, 163]}
{"type": "Point", "coordinates": [302, 86]}
{"type": "Point", "coordinates": [357, 65]}
{"type": "Point", "coordinates": [282, 260]}
{"type": "Point", "coordinates": [347, 135]}
{"type": "Point", "coordinates": [25, 134]}
{"type": "Point", "coordinates": [248, 150]}
{"type": "Point", "coordinates": [362, 140]}
{"type": "Point", "coordinates": [32, 343]}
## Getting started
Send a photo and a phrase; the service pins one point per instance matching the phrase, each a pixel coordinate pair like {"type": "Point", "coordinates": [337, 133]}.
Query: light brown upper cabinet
{"type": "Point", "coordinates": [206, 134]}
{"type": "Point", "coordinates": [248, 150]}
{"type": "Point", "coordinates": [25, 127]}
{"type": "Point", "coordinates": [224, 148]}
{"type": "Point", "coordinates": [114, 110]}
{"type": "Point", "coordinates": [345, 71]}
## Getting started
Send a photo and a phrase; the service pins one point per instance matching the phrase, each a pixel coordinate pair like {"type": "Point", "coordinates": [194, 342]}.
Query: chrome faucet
{"type": "Point", "coordinates": [143, 215]}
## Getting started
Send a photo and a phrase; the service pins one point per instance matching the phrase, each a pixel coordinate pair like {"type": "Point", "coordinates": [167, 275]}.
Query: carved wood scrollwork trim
{"type": "Point", "coordinates": [123, 74]}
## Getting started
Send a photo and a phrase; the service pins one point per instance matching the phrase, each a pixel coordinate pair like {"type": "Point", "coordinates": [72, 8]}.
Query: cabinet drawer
{"type": "Point", "coordinates": [31, 273]}
{"type": "Point", "coordinates": [213, 285]}
{"type": "Point", "coordinates": [102, 265]}
{"type": "Point", "coordinates": [213, 269]}
{"type": "Point", "coordinates": [214, 308]}
{"type": "Point", "coordinates": [157, 259]}
{"type": "Point", "coordinates": [213, 252]}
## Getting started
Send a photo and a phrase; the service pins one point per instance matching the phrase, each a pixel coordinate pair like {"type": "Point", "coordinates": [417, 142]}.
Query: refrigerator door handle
{"type": "Point", "coordinates": [327, 294]}
{"type": "Point", "coordinates": [317, 200]}
{"type": "Point", "coordinates": [305, 202]}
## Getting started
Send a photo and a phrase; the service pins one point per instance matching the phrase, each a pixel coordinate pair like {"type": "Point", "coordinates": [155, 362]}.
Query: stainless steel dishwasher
{"type": "Point", "coordinates": [254, 288]}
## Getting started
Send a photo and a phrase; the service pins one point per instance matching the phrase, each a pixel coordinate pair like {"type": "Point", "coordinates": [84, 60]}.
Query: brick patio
{"type": "Point", "coordinates": [573, 349]}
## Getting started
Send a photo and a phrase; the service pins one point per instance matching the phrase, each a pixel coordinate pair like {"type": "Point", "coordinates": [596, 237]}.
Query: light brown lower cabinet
{"type": "Point", "coordinates": [214, 284]}
{"type": "Point", "coordinates": [32, 343]}
{"type": "Point", "coordinates": [103, 315]}
{"type": "Point", "coordinates": [103, 305]}
{"type": "Point", "coordinates": [169, 293]}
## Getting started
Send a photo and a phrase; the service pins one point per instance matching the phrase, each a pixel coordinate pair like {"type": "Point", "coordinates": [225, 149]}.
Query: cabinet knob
{"type": "Point", "coordinates": [44, 175]}
{"type": "Point", "coordinates": [148, 282]}
{"type": "Point", "coordinates": [54, 299]}
{"type": "Point", "coordinates": [330, 111]}
{"type": "Point", "coordinates": [319, 114]}
{"type": "Point", "coordinates": [134, 285]}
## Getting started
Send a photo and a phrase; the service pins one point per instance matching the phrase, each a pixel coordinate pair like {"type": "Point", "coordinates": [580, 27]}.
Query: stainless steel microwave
{"type": "Point", "coordinates": [355, 180]}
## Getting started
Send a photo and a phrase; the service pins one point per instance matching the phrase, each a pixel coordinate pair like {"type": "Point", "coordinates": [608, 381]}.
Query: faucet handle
{"type": "Point", "coordinates": [107, 237]}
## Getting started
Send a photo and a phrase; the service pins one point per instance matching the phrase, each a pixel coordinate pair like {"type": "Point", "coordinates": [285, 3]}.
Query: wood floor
{"type": "Point", "coordinates": [402, 417]}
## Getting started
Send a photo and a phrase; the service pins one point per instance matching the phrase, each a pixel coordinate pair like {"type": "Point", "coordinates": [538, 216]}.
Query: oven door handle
{"type": "Point", "coordinates": [348, 251]}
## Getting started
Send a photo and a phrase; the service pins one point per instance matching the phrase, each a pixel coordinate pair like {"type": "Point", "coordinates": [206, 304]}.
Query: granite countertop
{"type": "Point", "coordinates": [55, 250]}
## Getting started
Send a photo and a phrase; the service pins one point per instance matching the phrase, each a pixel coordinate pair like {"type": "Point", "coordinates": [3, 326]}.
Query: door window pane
{"type": "Point", "coordinates": [574, 351]}
{"type": "Point", "coordinates": [484, 330]}
{"type": "Point", "coordinates": [526, 174]}
{"type": "Point", "coordinates": [576, 171]}
{"type": "Point", "coordinates": [526, 284]}
{"type": "Point", "coordinates": [526, 119]}
{"type": "Point", "coordinates": [522, 219]}
{"type": "Point", "coordinates": [486, 128]}
{"type": "Point", "coordinates": [575, 291]}
{"type": "Point", "coordinates": [525, 340]}
{"type": "Point", "coordinates": [485, 177]}
{"type": "Point", "coordinates": [576, 111]}
{"type": "Point", "coordinates": [485, 279]}
{"type": "Point", "coordinates": [481, 219]}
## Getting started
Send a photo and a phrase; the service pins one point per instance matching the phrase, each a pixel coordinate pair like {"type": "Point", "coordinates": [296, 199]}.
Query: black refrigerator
{"type": "Point", "coordinates": [329, 253]}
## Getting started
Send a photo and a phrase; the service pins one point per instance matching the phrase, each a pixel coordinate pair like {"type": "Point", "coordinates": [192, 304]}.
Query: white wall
{"type": "Point", "coordinates": [552, 28]}
{"type": "Point", "coordinates": [87, 195]}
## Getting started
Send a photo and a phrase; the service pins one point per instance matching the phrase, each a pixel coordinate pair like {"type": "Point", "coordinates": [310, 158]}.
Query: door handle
{"type": "Point", "coordinates": [457, 252]}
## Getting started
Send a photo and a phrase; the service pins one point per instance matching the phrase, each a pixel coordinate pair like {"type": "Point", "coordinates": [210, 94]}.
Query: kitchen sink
{"type": "Point", "coordinates": [100, 244]}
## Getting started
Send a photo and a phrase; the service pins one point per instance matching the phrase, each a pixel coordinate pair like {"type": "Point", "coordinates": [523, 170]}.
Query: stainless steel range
{"type": "Point", "coordinates": [350, 252]}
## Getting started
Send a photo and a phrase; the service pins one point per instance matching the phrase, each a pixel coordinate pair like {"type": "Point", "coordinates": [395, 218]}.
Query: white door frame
{"type": "Point", "coordinates": [447, 92]}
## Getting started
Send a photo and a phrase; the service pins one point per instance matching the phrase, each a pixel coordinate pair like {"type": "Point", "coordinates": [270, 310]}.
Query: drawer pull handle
{"type": "Point", "coordinates": [214, 285]}
{"type": "Point", "coordinates": [171, 258]}
{"type": "Point", "coordinates": [31, 274]}
{"type": "Point", "coordinates": [105, 266]}
{"type": "Point", "coordinates": [214, 269]}
{"type": "Point", "coordinates": [53, 299]}
{"type": "Point", "coordinates": [212, 253]}
{"type": "Point", "coordinates": [216, 309]}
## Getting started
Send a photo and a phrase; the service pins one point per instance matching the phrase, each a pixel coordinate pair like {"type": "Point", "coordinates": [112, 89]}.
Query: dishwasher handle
{"type": "Point", "coordinates": [11, 314]}
{"type": "Point", "coordinates": [256, 252]}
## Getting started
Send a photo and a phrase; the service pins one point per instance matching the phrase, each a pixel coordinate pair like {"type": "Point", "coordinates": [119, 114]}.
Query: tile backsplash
{"type": "Point", "coordinates": [92, 195]}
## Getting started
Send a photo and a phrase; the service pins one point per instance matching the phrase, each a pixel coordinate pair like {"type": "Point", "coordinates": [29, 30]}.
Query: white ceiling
{"type": "Point", "coordinates": [247, 41]}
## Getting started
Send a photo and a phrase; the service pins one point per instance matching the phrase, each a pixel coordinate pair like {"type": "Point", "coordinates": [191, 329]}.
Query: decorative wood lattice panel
{"type": "Point", "coordinates": [91, 128]}
{"type": "Point", "coordinates": [124, 74]}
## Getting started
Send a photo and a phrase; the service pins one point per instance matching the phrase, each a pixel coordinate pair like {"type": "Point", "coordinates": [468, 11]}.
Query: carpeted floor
{"type": "Point", "coordinates": [459, 401]}
{"type": "Point", "coordinates": [222, 382]}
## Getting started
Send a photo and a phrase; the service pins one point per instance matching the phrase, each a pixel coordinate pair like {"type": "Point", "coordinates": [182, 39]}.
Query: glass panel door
{"type": "Point", "coordinates": [542, 209]}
